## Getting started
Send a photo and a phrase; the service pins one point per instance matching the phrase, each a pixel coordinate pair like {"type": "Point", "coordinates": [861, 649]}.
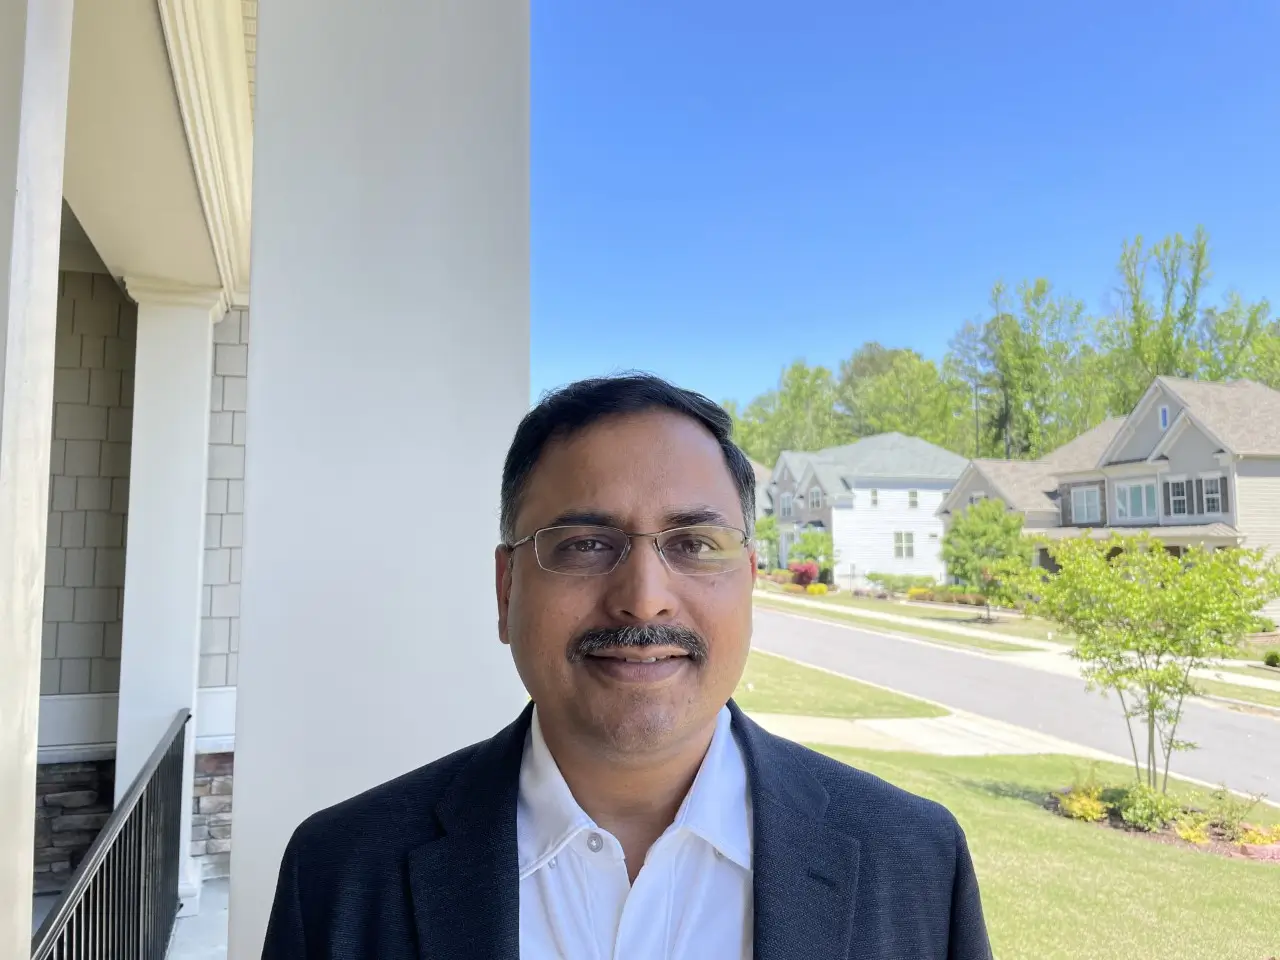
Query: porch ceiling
{"type": "Point", "coordinates": [159, 139]}
{"type": "Point", "coordinates": [1191, 532]}
{"type": "Point", "coordinates": [129, 176]}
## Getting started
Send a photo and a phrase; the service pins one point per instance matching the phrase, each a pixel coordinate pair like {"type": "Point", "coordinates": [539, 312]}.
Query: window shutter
{"type": "Point", "coordinates": [1064, 496]}
{"type": "Point", "coordinates": [1168, 501]}
{"type": "Point", "coordinates": [1222, 492]}
{"type": "Point", "coordinates": [1200, 497]}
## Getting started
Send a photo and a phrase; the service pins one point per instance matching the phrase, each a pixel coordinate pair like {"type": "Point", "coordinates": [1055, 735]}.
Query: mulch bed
{"type": "Point", "coordinates": [1219, 844]}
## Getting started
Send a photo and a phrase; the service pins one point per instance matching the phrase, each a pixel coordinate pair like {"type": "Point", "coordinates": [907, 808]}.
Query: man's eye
{"type": "Point", "coordinates": [590, 546]}
{"type": "Point", "coordinates": [692, 546]}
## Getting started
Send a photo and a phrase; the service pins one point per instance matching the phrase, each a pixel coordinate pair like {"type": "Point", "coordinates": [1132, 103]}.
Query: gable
{"type": "Point", "coordinates": [1191, 451]}
{"type": "Point", "coordinates": [1143, 430]}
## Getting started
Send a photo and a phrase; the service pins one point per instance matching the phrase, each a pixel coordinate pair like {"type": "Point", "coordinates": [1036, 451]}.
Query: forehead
{"type": "Point", "coordinates": [635, 468]}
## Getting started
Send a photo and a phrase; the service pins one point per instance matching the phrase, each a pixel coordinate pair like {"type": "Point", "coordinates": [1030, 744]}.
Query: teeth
{"type": "Point", "coordinates": [644, 660]}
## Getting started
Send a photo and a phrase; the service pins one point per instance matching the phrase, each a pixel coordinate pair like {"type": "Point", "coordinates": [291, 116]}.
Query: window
{"type": "Point", "coordinates": [1164, 418]}
{"type": "Point", "coordinates": [875, 498]}
{"type": "Point", "coordinates": [786, 505]}
{"type": "Point", "coordinates": [1178, 498]}
{"type": "Point", "coordinates": [976, 498]}
{"type": "Point", "coordinates": [913, 499]}
{"type": "Point", "coordinates": [904, 546]}
{"type": "Point", "coordinates": [815, 499]}
{"type": "Point", "coordinates": [1135, 501]}
{"type": "Point", "coordinates": [1086, 506]}
{"type": "Point", "coordinates": [1213, 494]}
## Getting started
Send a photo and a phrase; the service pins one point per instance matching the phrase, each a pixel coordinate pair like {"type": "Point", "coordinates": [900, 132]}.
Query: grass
{"type": "Point", "coordinates": [840, 615]}
{"type": "Point", "coordinates": [1055, 889]}
{"type": "Point", "coordinates": [1235, 691]}
{"type": "Point", "coordinates": [773, 684]}
{"type": "Point", "coordinates": [1253, 670]}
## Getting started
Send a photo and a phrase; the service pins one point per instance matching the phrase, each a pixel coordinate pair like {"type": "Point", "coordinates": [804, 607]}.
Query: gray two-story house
{"type": "Point", "coordinates": [1194, 463]}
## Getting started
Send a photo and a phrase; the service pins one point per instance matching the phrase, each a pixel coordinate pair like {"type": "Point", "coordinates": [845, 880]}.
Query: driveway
{"type": "Point", "coordinates": [1238, 749]}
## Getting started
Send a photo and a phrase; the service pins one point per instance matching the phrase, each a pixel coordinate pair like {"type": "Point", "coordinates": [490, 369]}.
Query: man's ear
{"type": "Point", "coordinates": [755, 566]}
{"type": "Point", "coordinates": [502, 558]}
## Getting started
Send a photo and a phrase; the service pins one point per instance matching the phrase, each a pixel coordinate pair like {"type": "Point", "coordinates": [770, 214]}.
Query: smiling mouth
{"type": "Point", "coordinates": [632, 657]}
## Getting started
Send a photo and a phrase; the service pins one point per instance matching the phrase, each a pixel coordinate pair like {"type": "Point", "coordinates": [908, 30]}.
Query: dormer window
{"type": "Point", "coordinates": [1164, 418]}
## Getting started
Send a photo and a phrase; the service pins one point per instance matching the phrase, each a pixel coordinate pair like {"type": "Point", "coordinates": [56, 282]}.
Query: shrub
{"type": "Point", "coordinates": [1227, 812]}
{"type": "Point", "coordinates": [1263, 624]}
{"type": "Point", "coordinates": [1192, 826]}
{"type": "Point", "coordinates": [1271, 658]}
{"type": "Point", "coordinates": [1083, 803]}
{"type": "Point", "coordinates": [816, 589]}
{"type": "Point", "coordinates": [1146, 808]}
{"type": "Point", "coordinates": [919, 593]}
{"type": "Point", "coordinates": [803, 574]}
{"type": "Point", "coordinates": [826, 575]}
{"type": "Point", "coordinates": [1260, 835]}
{"type": "Point", "coordinates": [792, 588]}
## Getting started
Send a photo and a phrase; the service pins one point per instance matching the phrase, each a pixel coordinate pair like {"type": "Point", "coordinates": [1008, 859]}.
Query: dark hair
{"type": "Point", "coordinates": [569, 409]}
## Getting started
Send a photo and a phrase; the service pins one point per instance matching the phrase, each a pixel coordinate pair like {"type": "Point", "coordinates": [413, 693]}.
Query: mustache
{"type": "Point", "coordinates": [639, 636]}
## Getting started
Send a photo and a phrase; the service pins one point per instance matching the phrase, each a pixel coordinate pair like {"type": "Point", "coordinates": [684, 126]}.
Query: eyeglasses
{"type": "Point", "coordinates": [592, 551]}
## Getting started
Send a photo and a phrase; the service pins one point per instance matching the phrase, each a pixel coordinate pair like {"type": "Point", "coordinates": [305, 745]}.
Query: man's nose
{"type": "Point", "coordinates": [640, 589]}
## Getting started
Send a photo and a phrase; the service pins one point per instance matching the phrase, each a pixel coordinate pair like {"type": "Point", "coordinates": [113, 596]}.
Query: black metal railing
{"type": "Point", "coordinates": [121, 901]}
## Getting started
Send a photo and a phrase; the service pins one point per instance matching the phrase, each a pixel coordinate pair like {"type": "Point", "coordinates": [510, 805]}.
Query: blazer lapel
{"type": "Point", "coordinates": [805, 872]}
{"type": "Point", "coordinates": [465, 884]}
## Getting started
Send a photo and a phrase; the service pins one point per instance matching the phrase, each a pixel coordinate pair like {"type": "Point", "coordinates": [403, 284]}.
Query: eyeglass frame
{"type": "Point", "coordinates": [626, 551]}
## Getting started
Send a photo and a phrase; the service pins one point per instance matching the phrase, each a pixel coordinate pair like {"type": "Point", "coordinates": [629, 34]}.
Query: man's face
{"type": "Point", "coordinates": [641, 473]}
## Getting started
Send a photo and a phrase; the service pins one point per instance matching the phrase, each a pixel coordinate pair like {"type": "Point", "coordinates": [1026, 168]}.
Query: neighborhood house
{"type": "Point", "coordinates": [878, 498]}
{"type": "Point", "coordinates": [1194, 463]}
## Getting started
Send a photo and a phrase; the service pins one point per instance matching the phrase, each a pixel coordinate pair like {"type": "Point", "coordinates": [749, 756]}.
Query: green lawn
{"type": "Point", "coordinates": [848, 615]}
{"type": "Point", "coordinates": [775, 685]}
{"type": "Point", "coordinates": [1055, 889]}
{"type": "Point", "coordinates": [1236, 691]}
{"type": "Point", "coordinates": [1254, 670]}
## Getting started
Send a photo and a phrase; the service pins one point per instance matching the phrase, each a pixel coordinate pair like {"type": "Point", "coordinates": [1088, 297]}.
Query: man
{"type": "Point", "coordinates": [631, 811]}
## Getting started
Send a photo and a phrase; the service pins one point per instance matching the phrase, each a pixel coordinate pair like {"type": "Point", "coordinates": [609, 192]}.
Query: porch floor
{"type": "Point", "coordinates": [204, 937]}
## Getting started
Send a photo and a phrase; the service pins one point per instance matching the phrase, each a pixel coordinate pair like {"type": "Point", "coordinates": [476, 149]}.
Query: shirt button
{"type": "Point", "coordinates": [595, 842]}
{"type": "Point", "coordinates": [552, 863]}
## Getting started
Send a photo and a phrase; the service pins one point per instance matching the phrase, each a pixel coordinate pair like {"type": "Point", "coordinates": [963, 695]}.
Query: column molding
{"type": "Point", "coordinates": [205, 40]}
{"type": "Point", "coordinates": [154, 292]}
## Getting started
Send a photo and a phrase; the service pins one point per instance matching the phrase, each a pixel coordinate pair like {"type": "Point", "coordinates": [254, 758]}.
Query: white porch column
{"type": "Point", "coordinates": [35, 58]}
{"type": "Point", "coordinates": [388, 368]}
{"type": "Point", "coordinates": [164, 556]}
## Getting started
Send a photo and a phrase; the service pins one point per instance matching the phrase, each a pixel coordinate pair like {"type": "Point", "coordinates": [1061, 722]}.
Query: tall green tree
{"type": "Point", "coordinates": [912, 396]}
{"type": "Point", "coordinates": [800, 414]}
{"type": "Point", "coordinates": [868, 363]}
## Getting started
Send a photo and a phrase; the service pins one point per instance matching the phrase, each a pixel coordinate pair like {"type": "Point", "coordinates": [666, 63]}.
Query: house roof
{"type": "Point", "coordinates": [1021, 484]}
{"type": "Point", "coordinates": [1084, 452]}
{"type": "Point", "coordinates": [763, 473]}
{"type": "Point", "coordinates": [1242, 414]}
{"type": "Point", "coordinates": [894, 455]}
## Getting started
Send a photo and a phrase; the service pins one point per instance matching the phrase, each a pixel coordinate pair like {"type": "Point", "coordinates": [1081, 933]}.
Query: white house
{"type": "Point", "coordinates": [245, 523]}
{"type": "Point", "coordinates": [889, 525]}
{"type": "Point", "coordinates": [878, 497]}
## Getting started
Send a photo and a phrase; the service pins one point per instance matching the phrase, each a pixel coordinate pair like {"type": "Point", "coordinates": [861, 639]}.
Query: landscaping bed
{"type": "Point", "coordinates": [1219, 826]}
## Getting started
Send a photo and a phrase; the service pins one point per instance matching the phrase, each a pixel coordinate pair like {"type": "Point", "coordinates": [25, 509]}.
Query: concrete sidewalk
{"type": "Point", "coordinates": [1049, 656]}
{"type": "Point", "coordinates": [959, 734]}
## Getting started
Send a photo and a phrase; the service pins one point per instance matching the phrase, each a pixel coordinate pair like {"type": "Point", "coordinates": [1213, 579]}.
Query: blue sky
{"type": "Point", "coordinates": [722, 187]}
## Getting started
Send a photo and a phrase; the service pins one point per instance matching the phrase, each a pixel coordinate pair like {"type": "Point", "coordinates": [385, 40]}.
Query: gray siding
{"type": "Point", "coordinates": [1146, 431]}
{"type": "Point", "coordinates": [1257, 492]}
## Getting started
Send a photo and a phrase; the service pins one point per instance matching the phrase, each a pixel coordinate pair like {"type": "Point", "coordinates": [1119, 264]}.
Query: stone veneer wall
{"type": "Point", "coordinates": [73, 801]}
{"type": "Point", "coordinates": [224, 520]}
{"type": "Point", "coordinates": [97, 330]}
{"type": "Point", "coordinates": [211, 816]}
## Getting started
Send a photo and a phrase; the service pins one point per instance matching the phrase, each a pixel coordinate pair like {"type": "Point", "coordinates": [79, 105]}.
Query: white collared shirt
{"type": "Point", "coordinates": [692, 898]}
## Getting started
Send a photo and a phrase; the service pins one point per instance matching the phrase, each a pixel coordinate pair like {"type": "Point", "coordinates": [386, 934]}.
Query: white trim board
{"type": "Point", "coordinates": [77, 727]}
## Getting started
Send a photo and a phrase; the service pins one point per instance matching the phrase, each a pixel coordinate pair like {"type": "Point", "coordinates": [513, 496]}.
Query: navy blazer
{"type": "Point", "coordinates": [425, 867]}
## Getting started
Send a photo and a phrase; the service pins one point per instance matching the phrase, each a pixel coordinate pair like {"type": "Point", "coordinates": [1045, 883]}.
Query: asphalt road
{"type": "Point", "coordinates": [1239, 749]}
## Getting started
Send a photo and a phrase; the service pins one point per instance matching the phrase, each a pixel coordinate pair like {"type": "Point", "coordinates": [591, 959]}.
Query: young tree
{"type": "Point", "coordinates": [800, 414]}
{"type": "Point", "coordinates": [985, 550]}
{"type": "Point", "coordinates": [1144, 619]}
{"type": "Point", "coordinates": [767, 538]}
{"type": "Point", "coordinates": [813, 545]}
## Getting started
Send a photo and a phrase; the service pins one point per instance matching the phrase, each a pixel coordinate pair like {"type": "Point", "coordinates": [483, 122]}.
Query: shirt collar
{"type": "Point", "coordinates": [717, 807]}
